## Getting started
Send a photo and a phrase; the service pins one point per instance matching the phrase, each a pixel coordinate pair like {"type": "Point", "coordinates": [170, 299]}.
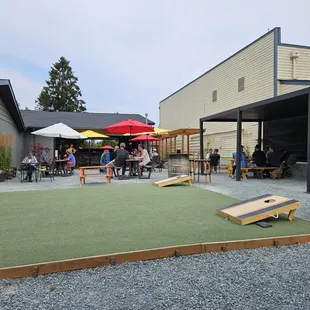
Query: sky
{"type": "Point", "coordinates": [129, 55]}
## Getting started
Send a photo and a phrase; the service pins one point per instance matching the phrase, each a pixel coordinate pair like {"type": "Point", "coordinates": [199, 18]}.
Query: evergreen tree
{"type": "Point", "coordinates": [62, 92]}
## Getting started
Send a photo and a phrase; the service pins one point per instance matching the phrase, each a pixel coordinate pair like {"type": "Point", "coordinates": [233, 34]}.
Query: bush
{"type": "Point", "coordinates": [6, 141]}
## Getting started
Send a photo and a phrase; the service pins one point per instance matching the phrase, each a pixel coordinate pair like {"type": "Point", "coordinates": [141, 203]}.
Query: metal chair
{"type": "Point", "coordinates": [47, 171]}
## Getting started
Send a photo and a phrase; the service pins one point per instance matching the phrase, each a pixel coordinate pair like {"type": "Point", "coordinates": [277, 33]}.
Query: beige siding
{"type": "Point", "coordinates": [7, 125]}
{"type": "Point", "coordinates": [284, 88]}
{"type": "Point", "coordinates": [285, 65]}
{"type": "Point", "coordinates": [187, 106]}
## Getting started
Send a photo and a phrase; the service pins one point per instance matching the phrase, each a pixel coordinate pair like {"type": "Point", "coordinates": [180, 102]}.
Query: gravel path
{"type": "Point", "coordinates": [267, 278]}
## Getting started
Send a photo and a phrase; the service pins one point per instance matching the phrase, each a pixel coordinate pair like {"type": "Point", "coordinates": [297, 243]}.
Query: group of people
{"type": "Point", "coordinates": [117, 158]}
{"type": "Point", "coordinates": [213, 157]}
{"type": "Point", "coordinates": [30, 161]}
{"type": "Point", "coordinates": [259, 158]}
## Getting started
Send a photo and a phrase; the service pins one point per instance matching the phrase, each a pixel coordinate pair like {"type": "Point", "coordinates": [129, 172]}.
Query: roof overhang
{"type": "Point", "coordinates": [10, 102]}
{"type": "Point", "coordinates": [179, 132]}
{"type": "Point", "coordinates": [289, 105]}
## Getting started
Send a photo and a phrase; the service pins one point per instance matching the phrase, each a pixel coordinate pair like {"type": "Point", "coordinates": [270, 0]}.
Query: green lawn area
{"type": "Point", "coordinates": [40, 226]}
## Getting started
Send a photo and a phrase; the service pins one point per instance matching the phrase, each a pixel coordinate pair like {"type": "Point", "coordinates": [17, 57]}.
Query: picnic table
{"type": "Point", "coordinates": [133, 166]}
{"type": "Point", "coordinates": [106, 175]}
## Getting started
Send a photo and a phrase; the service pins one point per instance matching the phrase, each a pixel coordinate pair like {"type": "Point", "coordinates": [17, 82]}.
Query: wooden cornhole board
{"type": "Point", "coordinates": [259, 208]}
{"type": "Point", "coordinates": [174, 180]}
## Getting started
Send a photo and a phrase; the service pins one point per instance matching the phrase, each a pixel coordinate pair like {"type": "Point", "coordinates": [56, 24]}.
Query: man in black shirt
{"type": "Point", "coordinates": [259, 157]}
{"type": "Point", "coordinates": [121, 156]}
{"type": "Point", "coordinates": [214, 160]}
{"type": "Point", "coordinates": [113, 154]}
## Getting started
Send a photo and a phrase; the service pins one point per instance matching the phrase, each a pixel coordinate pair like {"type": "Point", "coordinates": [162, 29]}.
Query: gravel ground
{"type": "Point", "coordinates": [266, 278]}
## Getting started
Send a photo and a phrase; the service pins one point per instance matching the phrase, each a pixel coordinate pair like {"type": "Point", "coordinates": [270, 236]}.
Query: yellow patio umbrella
{"type": "Point", "coordinates": [93, 134]}
{"type": "Point", "coordinates": [156, 131]}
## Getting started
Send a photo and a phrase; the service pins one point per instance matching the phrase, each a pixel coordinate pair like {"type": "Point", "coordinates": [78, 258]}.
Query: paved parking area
{"type": "Point", "coordinates": [293, 188]}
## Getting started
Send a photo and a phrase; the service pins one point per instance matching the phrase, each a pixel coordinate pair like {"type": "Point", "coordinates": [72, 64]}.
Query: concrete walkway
{"type": "Point", "coordinates": [293, 188]}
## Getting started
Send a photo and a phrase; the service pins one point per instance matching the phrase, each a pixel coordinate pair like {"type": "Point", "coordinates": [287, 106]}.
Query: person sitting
{"type": "Point", "coordinates": [134, 153]}
{"type": "Point", "coordinates": [112, 158]}
{"type": "Point", "coordinates": [209, 154]}
{"type": "Point", "coordinates": [44, 161]}
{"type": "Point", "coordinates": [72, 149]}
{"type": "Point", "coordinates": [144, 157]}
{"type": "Point", "coordinates": [104, 160]}
{"type": "Point", "coordinates": [121, 156]}
{"type": "Point", "coordinates": [30, 160]}
{"type": "Point", "coordinates": [273, 158]}
{"type": "Point", "coordinates": [214, 160]}
{"type": "Point", "coordinates": [258, 160]}
{"type": "Point", "coordinates": [259, 157]}
{"type": "Point", "coordinates": [243, 163]}
{"type": "Point", "coordinates": [71, 161]}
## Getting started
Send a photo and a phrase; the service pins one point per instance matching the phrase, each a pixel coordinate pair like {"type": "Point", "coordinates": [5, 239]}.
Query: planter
{"type": "Point", "coordinates": [2, 176]}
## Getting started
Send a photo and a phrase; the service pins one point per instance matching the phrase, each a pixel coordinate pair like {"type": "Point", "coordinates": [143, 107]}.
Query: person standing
{"type": "Point", "coordinates": [242, 161]}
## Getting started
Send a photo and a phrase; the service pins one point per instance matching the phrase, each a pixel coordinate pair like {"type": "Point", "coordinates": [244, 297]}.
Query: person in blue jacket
{"type": "Point", "coordinates": [104, 159]}
{"type": "Point", "coordinates": [243, 161]}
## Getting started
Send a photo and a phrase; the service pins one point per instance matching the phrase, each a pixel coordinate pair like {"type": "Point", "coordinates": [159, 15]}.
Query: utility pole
{"type": "Point", "coordinates": [146, 115]}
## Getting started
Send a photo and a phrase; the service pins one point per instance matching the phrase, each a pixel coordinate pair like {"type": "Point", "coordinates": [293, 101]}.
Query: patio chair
{"type": "Point", "coordinates": [22, 172]}
{"type": "Point", "coordinates": [47, 171]}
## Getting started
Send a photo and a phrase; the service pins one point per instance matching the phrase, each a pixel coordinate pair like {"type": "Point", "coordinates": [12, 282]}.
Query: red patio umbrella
{"type": "Point", "coordinates": [107, 147]}
{"type": "Point", "coordinates": [144, 138]}
{"type": "Point", "coordinates": [132, 126]}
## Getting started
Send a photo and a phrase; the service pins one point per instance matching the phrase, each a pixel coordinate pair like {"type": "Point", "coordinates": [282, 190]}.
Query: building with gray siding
{"type": "Point", "coordinates": [20, 123]}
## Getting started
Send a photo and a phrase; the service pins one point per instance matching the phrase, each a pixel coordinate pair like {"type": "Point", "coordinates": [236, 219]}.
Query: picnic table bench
{"type": "Point", "coordinates": [247, 169]}
{"type": "Point", "coordinates": [83, 175]}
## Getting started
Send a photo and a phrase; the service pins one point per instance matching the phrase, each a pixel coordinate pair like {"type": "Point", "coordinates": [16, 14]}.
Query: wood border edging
{"type": "Point", "coordinates": [150, 254]}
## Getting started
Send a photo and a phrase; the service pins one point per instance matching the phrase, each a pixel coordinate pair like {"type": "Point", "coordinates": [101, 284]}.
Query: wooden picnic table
{"type": "Point", "coordinates": [133, 162]}
{"type": "Point", "coordinates": [83, 175]}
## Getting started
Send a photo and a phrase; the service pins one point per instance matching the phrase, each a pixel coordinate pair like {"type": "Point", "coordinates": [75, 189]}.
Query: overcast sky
{"type": "Point", "coordinates": [129, 55]}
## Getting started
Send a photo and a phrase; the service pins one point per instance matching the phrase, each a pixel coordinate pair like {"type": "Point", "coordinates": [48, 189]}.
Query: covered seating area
{"type": "Point", "coordinates": [168, 141]}
{"type": "Point", "coordinates": [273, 115]}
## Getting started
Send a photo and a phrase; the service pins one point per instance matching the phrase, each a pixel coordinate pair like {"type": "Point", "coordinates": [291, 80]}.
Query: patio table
{"type": "Point", "coordinates": [60, 166]}
{"type": "Point", "coordinates": [25, 167]}
{"type": "Point", "coordinates": [133, 163]}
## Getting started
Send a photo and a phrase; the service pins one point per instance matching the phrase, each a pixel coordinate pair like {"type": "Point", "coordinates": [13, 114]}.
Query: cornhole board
{"type": "Point", "coordinates": [259, 208]}
{"type": "Point", "coordinates": [174, 180]}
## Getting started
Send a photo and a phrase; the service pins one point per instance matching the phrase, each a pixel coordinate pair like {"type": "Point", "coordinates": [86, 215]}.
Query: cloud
{"type": "Point", "coordinates": [25, 90]}
{"type": "Point", "coordinates": [132, 54]}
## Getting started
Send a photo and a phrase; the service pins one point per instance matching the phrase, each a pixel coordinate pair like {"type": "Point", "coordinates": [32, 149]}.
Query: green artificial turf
{"type": "Point", "coordinates": [40, 226]}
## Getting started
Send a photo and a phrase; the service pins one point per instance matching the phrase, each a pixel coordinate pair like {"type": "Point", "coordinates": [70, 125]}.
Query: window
{"type": "Point", "coordinates": [214, 96]}
{"type": "Point", "coordinates": [241, 84]}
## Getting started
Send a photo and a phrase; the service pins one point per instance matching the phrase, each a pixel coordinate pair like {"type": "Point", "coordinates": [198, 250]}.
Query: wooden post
{"type": "Point", "coordinates": [175, 145]}
{"type": "Point", "coordinates": [170, 146]}
{"type": "Point", "coordinates": [308, 147]}
{"type": "Point", "coordinates": [182, 149]}
{"type": "Point", "coordinates": [166, 148]}
{"type": "Point", "coordinates": [187, 144]}
{"type": "Point", "coordinates": [238, 146]}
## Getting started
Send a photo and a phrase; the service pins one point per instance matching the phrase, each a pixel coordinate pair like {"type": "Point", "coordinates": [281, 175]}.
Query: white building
{"type": "Point", "coordinates": [261, 70]}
